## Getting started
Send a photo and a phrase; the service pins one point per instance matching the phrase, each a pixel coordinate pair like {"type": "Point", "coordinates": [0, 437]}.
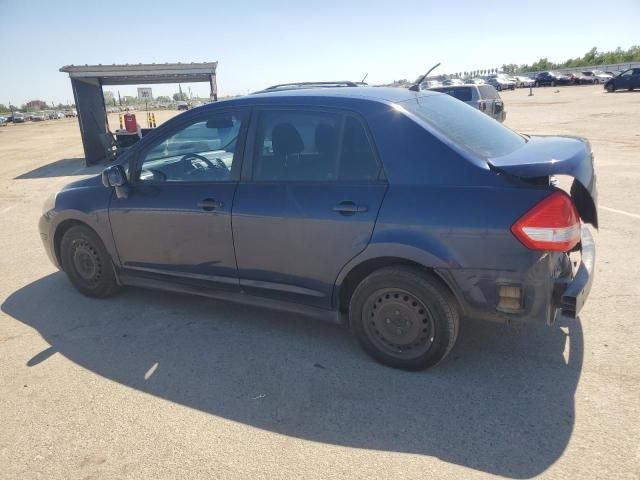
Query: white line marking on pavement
{"type": "Point", "coordinates": [621, 212]}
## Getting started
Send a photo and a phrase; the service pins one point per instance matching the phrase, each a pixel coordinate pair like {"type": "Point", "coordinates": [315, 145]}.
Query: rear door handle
{"type": "Point", "coordinates": [209, 204]}
{"type": "Point", "coordinates": [349, 208]}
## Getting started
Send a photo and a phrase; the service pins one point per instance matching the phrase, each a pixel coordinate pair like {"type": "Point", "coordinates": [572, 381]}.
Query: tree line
{"type": "Point", "coordinates": [592, 57]}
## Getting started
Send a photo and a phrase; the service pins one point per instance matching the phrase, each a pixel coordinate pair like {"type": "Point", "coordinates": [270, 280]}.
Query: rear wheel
{"type": "Point", "coordinates": [611, 88]}
{"type": "Point", "coordinates": [404, 318]}
{"type": "Point", "coordinates": [87, 263]}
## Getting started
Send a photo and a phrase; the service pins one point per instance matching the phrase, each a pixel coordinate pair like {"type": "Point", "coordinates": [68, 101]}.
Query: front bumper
{"type": "Point", "coordinates": [46, 235]}
{"type": "Point", "coordinates": [573, 293]}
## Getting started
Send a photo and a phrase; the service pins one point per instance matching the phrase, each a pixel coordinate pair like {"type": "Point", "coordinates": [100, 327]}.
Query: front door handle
{"type": "Point", "coordinates": [209, 204]}
{"type": "Point", "coordinates": [349, 208]}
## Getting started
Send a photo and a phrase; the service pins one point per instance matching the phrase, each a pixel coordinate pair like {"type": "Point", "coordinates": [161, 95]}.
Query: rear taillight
{"type": "Point", "coordinates": [552, 224]}
{"type": "Point", "coordinates": [482, 106]}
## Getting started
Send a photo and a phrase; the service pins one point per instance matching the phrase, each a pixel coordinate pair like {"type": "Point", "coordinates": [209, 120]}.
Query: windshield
{"type": "Point", "coordinates": [465, 126]}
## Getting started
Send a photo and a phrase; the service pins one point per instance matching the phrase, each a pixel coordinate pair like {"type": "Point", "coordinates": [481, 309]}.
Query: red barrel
{"type": "Point", "coordinates": [130, 122]}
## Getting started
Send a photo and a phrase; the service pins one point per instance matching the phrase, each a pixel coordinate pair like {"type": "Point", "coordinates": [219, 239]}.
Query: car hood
{"type": "Point", "coordinates": [544, 156]}
{"type": "Point", "coordinates": [95, 181]}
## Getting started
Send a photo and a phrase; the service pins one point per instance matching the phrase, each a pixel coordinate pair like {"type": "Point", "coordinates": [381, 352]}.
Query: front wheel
{"type": "Point", "coordinates": [87, 263]}
{"type": "Point", "coordinates": [404, 318]}
{"type": "Point", "coordinates": [611, 88]}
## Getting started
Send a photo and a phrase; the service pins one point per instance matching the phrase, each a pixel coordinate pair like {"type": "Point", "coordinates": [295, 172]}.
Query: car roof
{"type": "Point", "coordinates": [318, 95]}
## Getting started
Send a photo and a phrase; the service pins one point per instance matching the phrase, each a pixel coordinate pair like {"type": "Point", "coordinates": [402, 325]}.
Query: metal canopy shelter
{"type": "Point", "coordinates": [87, 82]}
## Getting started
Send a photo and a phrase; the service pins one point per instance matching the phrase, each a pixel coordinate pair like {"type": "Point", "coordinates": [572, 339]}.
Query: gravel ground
{"type": "Point", "coordinates": [153, 385]}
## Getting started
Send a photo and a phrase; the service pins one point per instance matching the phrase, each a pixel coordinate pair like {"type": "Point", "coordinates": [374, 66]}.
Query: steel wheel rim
{"type": "Point", "coordinates": [86, 262]}
{"type": "Point", "coordinates": [398, 323]}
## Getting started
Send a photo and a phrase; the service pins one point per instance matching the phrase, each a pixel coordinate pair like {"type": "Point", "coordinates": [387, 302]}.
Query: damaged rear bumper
{"type": "Point", "coordinates": [572, 294]}
{"type": "Point", "coordinates": [547, 289]}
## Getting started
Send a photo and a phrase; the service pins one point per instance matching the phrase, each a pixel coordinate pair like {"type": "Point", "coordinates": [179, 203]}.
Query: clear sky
{"type": "Point", "coordinates": [258, 43]}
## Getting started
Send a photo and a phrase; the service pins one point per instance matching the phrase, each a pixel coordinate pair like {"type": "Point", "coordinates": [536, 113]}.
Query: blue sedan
{"type": "Point", "coordinates": [396, 212]}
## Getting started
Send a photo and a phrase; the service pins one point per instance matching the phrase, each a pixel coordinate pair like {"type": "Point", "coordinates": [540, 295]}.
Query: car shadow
{"type": "Point", "coordinates": [503, 402]}
{"type": "Point", "coordinates": [62, 168]}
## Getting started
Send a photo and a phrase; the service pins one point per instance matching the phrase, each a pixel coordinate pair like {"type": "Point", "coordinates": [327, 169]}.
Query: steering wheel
{"type": "Point", "coordinates": [189, 166]}
{"type": "Point", "coordinates": [217, 171]}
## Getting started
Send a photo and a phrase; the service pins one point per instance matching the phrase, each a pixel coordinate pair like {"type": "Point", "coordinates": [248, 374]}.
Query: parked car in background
{"type": "Point", "coordinates": [452, 81]}
{"type": "Point", "coordinates": [39, 117]}
{"type": "Point", "coordinates": [551, 78]}
{"type": "Point", "coordinates": [579, 78]}
{"type": "Point", "coordinates": [475, 81]}
{"type": "Point", "coordinates": [597, 76]}
{"type": "Point", "coordinates": [70, 113]}
{"type": "Point", "coordinates": [524, 81]}
{"type": "Point", "coordinates": [501, 81]}
{"type": "Point", "coordinates": [629, 80]}
{"type": "Point", "coordinates": [483, 97]}
{"type": "Point", "coordinates": [3, 121]}
{"type": "Point", "coordinates": [18, 117]}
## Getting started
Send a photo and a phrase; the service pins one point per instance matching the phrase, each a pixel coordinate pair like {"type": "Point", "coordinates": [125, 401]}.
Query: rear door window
{"type": "Point", "coordinates": [357, 158]}
{"type": "Point", "coordinates": [297, 145]}
{"type": "Point", "coordinates": [312, 146]}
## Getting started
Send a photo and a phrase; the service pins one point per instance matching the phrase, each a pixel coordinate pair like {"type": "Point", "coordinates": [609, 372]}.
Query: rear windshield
{"type": "Point", "coordinates": [465, 126]}
{"type": "Point", "coordinates": [488, 92]}
{"type": "Point", "coordinates": [461, 93]}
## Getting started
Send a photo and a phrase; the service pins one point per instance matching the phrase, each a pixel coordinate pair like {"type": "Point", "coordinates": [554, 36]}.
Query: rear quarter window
{"type": "Point", "coordinates": [465, 126]}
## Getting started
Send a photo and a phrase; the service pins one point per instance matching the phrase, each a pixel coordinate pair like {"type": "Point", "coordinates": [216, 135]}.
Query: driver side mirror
{"type": "Point", "coordinates": [115, 176]}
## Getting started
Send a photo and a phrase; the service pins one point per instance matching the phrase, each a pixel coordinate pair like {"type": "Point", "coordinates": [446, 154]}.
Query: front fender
{"type": "Point", "coordinates": [88, 205]}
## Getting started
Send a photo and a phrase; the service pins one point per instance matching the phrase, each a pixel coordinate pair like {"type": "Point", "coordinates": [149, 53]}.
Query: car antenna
{"type": "Point", "coordinates": [416, 87]}
{"type": "Point", "coordinates": [364, 78]}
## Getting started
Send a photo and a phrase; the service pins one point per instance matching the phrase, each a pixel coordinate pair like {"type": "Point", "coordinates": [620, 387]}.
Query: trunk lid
{"type": "Point", "coordinates": [545, 156]}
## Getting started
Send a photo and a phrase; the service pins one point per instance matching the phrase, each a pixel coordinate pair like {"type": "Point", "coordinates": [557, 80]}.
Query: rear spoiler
{"type": "Point", "coordinates": [544, 156]}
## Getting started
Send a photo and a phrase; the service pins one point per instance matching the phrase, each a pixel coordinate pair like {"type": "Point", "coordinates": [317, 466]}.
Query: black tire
{"type": "Point", "coordinates": [537, 84]}
{"type": "Point", "coordinates": [87, 263]}
{"type": "Point", "coordinates": [596, 81]}
{"type": "Point", "coordinates": [404, 318]}
{"type": "Point", "coordinates": [611, 88]}
{"type": "Point", "coordinates": [553, 83]}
